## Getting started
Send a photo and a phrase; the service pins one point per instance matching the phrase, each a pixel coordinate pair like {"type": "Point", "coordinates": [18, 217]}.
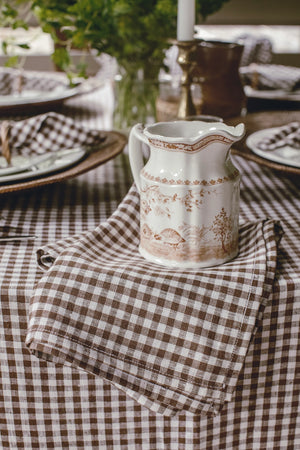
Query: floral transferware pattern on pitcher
{"type": "Point", "coordinates": [216, 238]}
{"type": "Point", "coordinates": [189, 192]}
{"type": "Point", "coordinates": [232, 176]}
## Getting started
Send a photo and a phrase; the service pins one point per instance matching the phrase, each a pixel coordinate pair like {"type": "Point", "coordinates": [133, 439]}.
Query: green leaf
{"type": "Point", "coordinates": [12, 61]}
{"type": "Point", "coordinates": [133, 31]}
{"type": "Point", "coordinates": [61, 58]}
{"type": "Point", "coordinates": [4, 45]}
{"type": "Point", "coordinates": [24, 46]}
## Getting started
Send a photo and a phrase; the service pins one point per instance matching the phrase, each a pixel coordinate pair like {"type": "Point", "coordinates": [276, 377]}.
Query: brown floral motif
{"type": "Point", "coordinates": [191, 199]}
{"type": "Point", "coordinates": [222, 228]}
{"type": "Point", "coordinates": [145, 207]}
{"type": "Point", "coordinates": [154, 200]}
{"type": "Point", "coordinates": [212, 182]}
{"type": "Point", "coordinates": [160, 204]}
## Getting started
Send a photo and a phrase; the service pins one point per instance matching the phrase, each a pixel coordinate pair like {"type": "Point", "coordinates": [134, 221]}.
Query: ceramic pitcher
{"type": "Point", "coordinates": [189, 192]}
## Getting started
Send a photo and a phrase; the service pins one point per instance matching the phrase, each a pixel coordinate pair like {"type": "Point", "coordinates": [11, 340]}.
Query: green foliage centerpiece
{"type": "Point", "coordinates": [135, 32]}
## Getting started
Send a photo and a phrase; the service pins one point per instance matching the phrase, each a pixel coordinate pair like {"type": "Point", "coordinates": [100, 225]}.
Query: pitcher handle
{"type": "Point", "coordinates": [136, 137]}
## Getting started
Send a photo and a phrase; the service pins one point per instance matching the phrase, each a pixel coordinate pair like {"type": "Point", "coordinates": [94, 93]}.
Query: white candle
{"type": "Point", "coordinates": [185, 20]}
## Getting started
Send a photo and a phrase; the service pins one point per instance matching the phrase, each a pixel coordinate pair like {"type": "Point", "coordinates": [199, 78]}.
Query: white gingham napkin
{"type": "Point", "coordinates": [174, 340]}
{"type": "Point", "coordinates": [257, 49]}
{"type": "Point", "coordinates": [286, 135]}
{"type": "Point", "coordinates": [13, 81]}
{"type": "Point", "coordinates": [44, 133]}
{"type": "Point", "coordinates": [271, 76]}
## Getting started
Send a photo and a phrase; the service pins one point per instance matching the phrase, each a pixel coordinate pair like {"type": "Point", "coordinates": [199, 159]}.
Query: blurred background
{"type": "Point", "coordinates": [276, 20]}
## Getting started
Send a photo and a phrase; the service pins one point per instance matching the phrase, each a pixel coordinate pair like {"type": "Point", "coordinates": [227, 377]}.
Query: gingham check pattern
{"type": "Point", "coordinates": [286, 135]}
{"type": "Point", "coordinates": [13, 81]}
{"type": "Point", "coordinates": [271, 76]}
{"type": "Point", "coordinates": [256, 49]}
{"type": "Point", "coordinates": [53, 406]}
{"type": "Point", "coordinates": [49, 132]}
{"type": "Point", "coordinates": [173, 340]}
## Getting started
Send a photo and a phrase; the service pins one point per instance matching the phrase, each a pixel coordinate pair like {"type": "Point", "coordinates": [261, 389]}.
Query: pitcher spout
{"type": "Point", "coordinates": [230, 134]}
{"type": "Point", "coordinates": [237, 132]}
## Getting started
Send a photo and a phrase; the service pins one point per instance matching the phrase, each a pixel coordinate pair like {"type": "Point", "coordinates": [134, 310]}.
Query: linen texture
{"type": "Point", "coordinates": [174, 340]}
{"type": "Point", "coordinates": [49, 132]}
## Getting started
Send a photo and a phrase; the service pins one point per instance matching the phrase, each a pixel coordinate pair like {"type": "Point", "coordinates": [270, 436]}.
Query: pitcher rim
{"type": "Point", "coordinates": [234, 132]}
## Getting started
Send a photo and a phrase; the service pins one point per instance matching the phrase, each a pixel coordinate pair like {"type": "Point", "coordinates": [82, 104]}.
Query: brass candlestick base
{"type": "Point", "coordinates": [187, 61]}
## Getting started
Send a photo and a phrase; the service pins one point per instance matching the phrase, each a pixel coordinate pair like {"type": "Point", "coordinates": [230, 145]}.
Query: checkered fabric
{"type": "Point", "coordinates": [45, 405]}
{"type": "Point", "coordinates": [271, 76]}
{"type": "Point", "coordinates": [13, 81]}
{"type": "Point", "coordinates": [48, 132]}
{"type": "Point", "coordinates": [256, 49]}
{"type": "Point", "coordinates": [172, 339]}
{"type": "Point", "coordinates": [286, 135]}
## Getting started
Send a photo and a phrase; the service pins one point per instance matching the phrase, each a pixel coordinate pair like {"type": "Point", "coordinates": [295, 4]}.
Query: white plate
{"type": "Point", "coordinates": [286, 155]}
{"type": "Point", "coordinates": [272, 94]}
{"type": "Point", "coordinates": [34, 96]}
{"type": "Point", "coordinates": [57, 95]}
{"type": "Point", "coordinates": [58, 161]}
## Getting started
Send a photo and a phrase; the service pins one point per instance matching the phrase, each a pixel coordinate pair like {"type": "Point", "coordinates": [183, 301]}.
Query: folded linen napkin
{"type": "Point", "coordinates": [271, 76]}
{"type": "Point", "coordinates": [13, 81]}
{"type": "Point", "coordinates": [286, 135]}
{"type": "Point", "coordinates": [44, 133]}
{"type": "Point", "coordinates": [257, 49]}
{"type": "Point", "coordinates": [172, 339]}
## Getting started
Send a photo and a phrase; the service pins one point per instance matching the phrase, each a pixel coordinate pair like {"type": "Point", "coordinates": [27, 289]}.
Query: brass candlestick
{"type": "Point", "coordinates": [187, 61]}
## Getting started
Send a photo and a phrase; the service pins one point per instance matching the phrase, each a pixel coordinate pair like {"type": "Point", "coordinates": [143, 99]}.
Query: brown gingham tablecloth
{"type": "Point", "coordinates": [46, 405]}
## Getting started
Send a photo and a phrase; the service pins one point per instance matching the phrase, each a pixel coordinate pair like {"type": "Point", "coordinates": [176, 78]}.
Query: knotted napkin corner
{"type": "Point", "coordinates": [174, 340]}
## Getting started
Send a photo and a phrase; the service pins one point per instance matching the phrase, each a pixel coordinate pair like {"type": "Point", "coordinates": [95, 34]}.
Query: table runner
{"type": "Point", "coordinates": [52, 406]}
